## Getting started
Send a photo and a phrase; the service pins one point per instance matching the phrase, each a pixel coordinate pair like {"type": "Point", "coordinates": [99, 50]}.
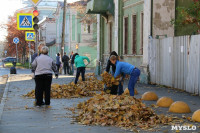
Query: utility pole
{"type": "Point", "coordinates": [63, 29]}
{"type": "Point", "coordinates": [69, 31]}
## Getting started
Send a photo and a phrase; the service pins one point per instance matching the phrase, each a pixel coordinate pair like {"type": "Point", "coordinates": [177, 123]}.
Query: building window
{"type": "Point", "coordinates": [134, 34]}
{"type": "Point", "coordinates": [85, 30]}
{"type": "Point", "coordinates": [126, 35]}
{"type": "Point", "coordinates": [88, 28]}
{"type": "Point", "coordinates": [142, 29]}
{"type": "Point", "coordinates": [110, 37]}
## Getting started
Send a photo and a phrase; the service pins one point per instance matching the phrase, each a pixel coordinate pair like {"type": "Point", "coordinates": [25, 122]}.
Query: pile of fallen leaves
{"type": "Point", "coordinates": [65, 91]}
{"type": "Point", "coordinates": [71, 90]}
{"type": "Point", "coordinates": [91, 83]}
{"type": "Point", "coordinates": [121, 111]}
{"type": "Point", "coordinates": [109, 80]}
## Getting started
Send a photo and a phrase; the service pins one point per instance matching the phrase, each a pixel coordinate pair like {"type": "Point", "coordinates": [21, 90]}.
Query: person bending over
{"type": "Point", "coordinates": [79, 63]}
{"type": "Point", "coordinates": [126, 68]}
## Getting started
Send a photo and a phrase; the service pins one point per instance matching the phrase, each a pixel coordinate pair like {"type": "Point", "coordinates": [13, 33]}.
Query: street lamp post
{"type": "Point", "coordinates": [63, 29]}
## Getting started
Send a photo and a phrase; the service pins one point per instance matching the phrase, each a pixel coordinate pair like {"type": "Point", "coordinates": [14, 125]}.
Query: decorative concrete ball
{"type": "Point", "coordinates": [126, 92]}
{"type": "Point", "coordinates": [149, 96]}
{"type": "Point", "coordinates": [164, 102]}
{"type": "Point", "coordinates": [179, 107]}
{"type": "Point", "coordinates": [196, 116]}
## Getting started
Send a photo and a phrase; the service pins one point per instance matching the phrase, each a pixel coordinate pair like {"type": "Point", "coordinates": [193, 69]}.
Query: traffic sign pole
{"type": "Point", "coordinates": [29, 45]}
{"type": "Point", "coordinates": [16, 52]}
{"type": "Point", "coordinates": [16, 41]}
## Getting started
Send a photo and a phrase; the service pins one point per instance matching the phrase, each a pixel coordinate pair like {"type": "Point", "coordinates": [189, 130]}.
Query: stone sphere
{"type": "Point", "coordinates": [149, 96]}
{"type": "Point", "coordinates": [164, 102]}
{"type": "Point", "coordinates": [196, 116]}
{"type": "Point", "coordinates": [179, 107]}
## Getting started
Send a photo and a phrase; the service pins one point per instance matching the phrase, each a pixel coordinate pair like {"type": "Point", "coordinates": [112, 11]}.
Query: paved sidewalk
{"type": "Point", "coordinates": [20, 116]}
{"type": "Point", "coordinates": [3, 80]}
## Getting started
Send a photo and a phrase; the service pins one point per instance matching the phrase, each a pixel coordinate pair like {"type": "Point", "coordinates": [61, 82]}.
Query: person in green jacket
{"type": "Point", "coordinates": [79, 63]}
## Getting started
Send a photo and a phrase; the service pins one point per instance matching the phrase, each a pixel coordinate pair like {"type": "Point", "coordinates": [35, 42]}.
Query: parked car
{"type": "Point", "coordinates": [10, 59]}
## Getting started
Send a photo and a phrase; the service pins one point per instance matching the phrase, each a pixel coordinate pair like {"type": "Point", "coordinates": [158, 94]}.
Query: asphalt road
{"type": "Point", "coordinates": [5, 71]}
{"type": "Point", "coordinates": [21, 116]}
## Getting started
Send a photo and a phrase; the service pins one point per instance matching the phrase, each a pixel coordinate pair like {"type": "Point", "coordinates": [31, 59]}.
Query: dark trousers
{"type": "Point", "coordinates": [66, 66]}
{"type": "Point", "coordinates": [43, 84]}
{"type": "Point", "coordinates": [82, 71]}
{"type": "Point", "coordinates": [113, 90]}
{"type": "Point", "coordinates": [120, 90]}
{"type": "Point", "coordinates": [58, 67]}
{"type": "Point", "coordinates": [133, 79]}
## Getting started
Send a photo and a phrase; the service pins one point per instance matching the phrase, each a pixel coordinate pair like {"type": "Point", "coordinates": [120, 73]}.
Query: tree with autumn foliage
{"type": "Point", "coordinates": [22, 46]}
{"type": "Point", "coordinates": [189, 16]}
{"type": "Point", "coordinates": [85, 18]}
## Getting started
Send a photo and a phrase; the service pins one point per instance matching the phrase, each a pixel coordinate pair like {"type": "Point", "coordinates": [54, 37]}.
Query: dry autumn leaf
{"type": "Point", "coordinates": [109, 80]}
{"type": "Point", "coordinates": [71, 90]}
{"type": "Point", "coordinates": [122, 111]}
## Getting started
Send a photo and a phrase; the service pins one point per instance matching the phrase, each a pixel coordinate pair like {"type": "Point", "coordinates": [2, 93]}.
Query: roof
{"type": "Point", "coordinates": [51, 43]}
{"type": "Point", "coordinates": [61, 4]}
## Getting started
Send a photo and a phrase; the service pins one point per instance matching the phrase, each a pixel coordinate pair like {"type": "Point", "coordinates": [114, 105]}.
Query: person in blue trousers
{"type": "Point", "coordinates": [126, 68]}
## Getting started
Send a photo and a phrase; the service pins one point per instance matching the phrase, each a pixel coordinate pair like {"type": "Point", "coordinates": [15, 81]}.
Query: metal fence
{"type": "Point", "coordinates": [175, 62]}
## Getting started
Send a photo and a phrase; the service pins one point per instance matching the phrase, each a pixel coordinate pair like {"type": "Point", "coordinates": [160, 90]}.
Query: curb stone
{"type": "Point", "coordinates": [5, 94]}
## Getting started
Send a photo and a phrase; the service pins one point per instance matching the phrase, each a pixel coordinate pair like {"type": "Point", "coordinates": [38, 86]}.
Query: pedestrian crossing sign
{"type": "Point", "coordinates": [25, 21]}
{"type": "Point", "coordinates": [29, 36]}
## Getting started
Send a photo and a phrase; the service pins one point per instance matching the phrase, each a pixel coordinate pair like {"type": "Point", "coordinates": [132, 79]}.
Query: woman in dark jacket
{"type": "Point", "coordinates": [114, 89]}
{"type": "Point", "coordinates": [72, 63]}
{"type": "Point", "coordinates": [58, 62]}
{"type": "Point", "coordinates": [110, 64]}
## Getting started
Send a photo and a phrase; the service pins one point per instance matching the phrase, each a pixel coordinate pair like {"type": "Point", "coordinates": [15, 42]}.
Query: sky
{"type": "Point", "coordinates": [8, 7]}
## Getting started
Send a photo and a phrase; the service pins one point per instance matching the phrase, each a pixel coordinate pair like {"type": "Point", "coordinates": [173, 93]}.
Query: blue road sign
{"type": "Point", "coordinates": [24, 21]}
{"type": "Point", "coordinates": [29, 36]}
{"type": "Point", "coordinates": [16, 40]}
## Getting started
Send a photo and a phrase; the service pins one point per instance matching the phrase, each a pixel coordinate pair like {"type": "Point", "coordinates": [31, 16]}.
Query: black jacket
{"type": "Point", "coordinates": [110, 64]}
{"type": "Point", "coordinates": [65, 59]}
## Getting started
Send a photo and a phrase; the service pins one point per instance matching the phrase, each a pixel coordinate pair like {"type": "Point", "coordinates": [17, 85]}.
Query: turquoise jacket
{"type": "Point", "coordinates": [79, 61]}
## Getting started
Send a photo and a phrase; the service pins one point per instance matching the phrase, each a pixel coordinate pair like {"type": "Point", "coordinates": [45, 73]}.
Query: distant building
{"type": "Point", "coordinates": [46, 8]}
{"type": "Point", "coordinates": [121, 29]}
{"type": "Point", "coordinates": [77, 36]}
{"type": "Point", "coordinates": [47, 31]}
